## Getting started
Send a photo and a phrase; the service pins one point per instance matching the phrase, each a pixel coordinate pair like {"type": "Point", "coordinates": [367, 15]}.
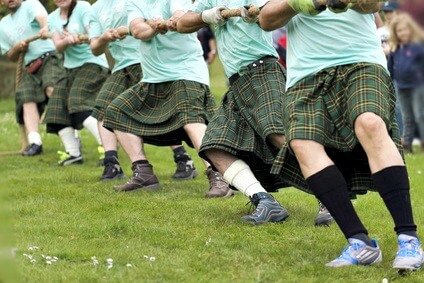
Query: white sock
{"type": "Point", "coordinates": [240, 176]}
{"type": "Point", "coordinates": [34, 137]}
{"type": "Point", "coordinates": [67, 135]}
{"type": "Point", "coordinates": [91, 125]}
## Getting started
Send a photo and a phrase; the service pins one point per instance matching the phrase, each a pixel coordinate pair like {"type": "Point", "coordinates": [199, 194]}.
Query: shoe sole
{"type": "Point", "coordinates": [324, 222]}
{"type": "Point", "coordinates": [190, 177]}
{"type": "Point", "coordinates": [279, 220]}
{"type": "Point", "coordinates": [154, 187]}
{"type": "Point", "coordinates": [117, 177]}
{"type": "Point", "coordinates": [77, 162]}
{"type": "Point", "coordinates": [229, 194]}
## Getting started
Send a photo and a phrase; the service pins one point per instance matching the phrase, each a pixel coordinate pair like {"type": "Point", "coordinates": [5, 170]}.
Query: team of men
{"type": "Point", "coordinates": [337, 105]}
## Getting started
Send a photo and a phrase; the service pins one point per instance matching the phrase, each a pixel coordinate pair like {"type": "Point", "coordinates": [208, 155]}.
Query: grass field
{"type": "Point", "coordinates": [174, 235]}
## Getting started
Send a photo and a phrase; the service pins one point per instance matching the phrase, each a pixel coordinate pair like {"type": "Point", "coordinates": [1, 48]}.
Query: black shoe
{"type": "Point", "coordinates": [185, 168]}
{"type": "Point", "coordinates": [112, 171]}
{"type": "Point", "coordinates": [33, 149]}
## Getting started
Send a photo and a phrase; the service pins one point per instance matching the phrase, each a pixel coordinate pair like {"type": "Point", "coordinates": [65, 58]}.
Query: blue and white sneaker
{"type": "Point", "coordinates": [357, 253]}
{"type": "Point", "coordinates": [410, 253]}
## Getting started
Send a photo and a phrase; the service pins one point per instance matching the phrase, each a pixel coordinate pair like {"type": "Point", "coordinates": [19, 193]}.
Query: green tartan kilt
{"type": "Point", "coordinates": [115, 84]}
{"type": "Point", "coordinates": [158, 111]}
{"type": "Point", "coordinates": [75, 92]}
{"type": "Point", "coordinates": [31, 87]}
{"type": "Point", "coordinates": [250, 111]}
{"type": "Point", "coordinates": [324, 108]}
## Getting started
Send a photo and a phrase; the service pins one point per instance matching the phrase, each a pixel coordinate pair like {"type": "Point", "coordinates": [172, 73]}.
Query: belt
{"type": "Point", "coordinates": [42, 57]}
{"type": "Point", "coordinates": [251, 66]}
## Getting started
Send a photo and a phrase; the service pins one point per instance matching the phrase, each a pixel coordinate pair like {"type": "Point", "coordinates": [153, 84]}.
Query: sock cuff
{"type": "Point", "coordinates": [328, 179]}
{"type": "Point", "coordinates": [179, 150]}
{"type": "Point", "coordinates": [232, 171]}
{"type": "Point", "coordinates": [65, 131]}
{"type": "Point", "coordinates": [390, 179]}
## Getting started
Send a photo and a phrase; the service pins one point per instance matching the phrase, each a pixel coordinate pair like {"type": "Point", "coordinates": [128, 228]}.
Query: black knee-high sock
{"type": "Point", "coordinates": [393, 186]}
{"type": "Point", "coordinates": [330, 187]}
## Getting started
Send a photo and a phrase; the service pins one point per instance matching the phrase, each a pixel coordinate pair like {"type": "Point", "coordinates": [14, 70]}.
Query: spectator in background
{"type": "Point", "coordinates": [279, 39]}
{"type": "Point", "coordinates": [207, 40]}
{"type": "Point", "coordinates": [390, 9]}
{"type": "Point", "coordinates": [406, 66]}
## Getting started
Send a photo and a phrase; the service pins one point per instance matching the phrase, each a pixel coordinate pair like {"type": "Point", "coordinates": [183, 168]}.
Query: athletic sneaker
{"type": "Point", "coordinates": [358, 252]}
{"type": "Point", "coordinates": [185, 167]}
{"type": "Point", "coordinates": [67, 159]}
{"type": "Point", "coordinates": [323, 217]}
{"type": "Point", "coordinates": [410, 253]}
{"type": "Point", "coordinates": [267, 210]}
{"type": "Point", "coordinates": [218, 187]}
{"type": "Point", "coordinates": [33, 149]}
{"type": "Point", "coordinates": [101, 151]}
{"type": "Point", "coordinates": [112, 171]}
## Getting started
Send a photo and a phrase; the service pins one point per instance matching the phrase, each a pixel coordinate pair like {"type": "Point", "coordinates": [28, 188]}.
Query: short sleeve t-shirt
{"type": "Point", "coordinates": [171, 56]}
{"type": "Point", "coordinates": [238, 43]}
{"type": "Point", "coordinates": [23, 25]}
{"type": "Point", "coordinates": [111, 14]}
{"type": "Point", "coordinates": [76, 55]}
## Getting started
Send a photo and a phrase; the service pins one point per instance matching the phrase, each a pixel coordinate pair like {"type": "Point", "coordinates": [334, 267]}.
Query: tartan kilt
{"type": "Point", "coordinates": [324, 108]}
{"type": "Point", "coordinates": [115, 84]}
{"type": "Point", "coordinates": [158, 111]}
{"type": "Point", "coordinates": [75, 92]}
{"type": "Point", "coordinates": [251, 110]}
{"type": "Point", "coordinates": [31, 87]}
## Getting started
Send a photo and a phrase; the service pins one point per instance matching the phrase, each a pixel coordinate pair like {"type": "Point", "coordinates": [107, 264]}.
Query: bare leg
{"type": "Point", "coordinates": [31, 117]}
{"type": "Point", "coordinates": [108, 138]}
{"type": "Point", "coordinates": [132, 145]}
{"type": "Point", "coordinates": [196, 132]}
{"type": "Point", "coordinates": [374, 138]}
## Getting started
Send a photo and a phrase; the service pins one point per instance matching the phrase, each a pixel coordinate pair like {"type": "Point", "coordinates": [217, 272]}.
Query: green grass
{"type": "Point", "coordinates": [67, 213]}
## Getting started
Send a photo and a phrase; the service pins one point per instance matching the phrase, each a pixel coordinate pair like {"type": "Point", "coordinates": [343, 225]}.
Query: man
{"type": "Point", "coordinates": [107, 17]}
{"type": "Point", "coordinates": [247, 131]}
{"type": "Point", "coordinates": [172, 103]}
{"type": "Point", "coordinates": [341, 121]}
{"type": "Point", "coordinates": [41, 65]}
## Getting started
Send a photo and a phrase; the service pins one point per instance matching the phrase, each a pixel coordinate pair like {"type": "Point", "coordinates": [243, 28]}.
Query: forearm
{"type": "Point", "coordinates": [190, 22]}
{"type": "Point", "coordinates": [60, 43]}
{"type": "Point", "coordinates": [98, 45]}
{"type": "Point", "coordinates": [140, 29]}
{"type": "Point", "coordinates": [275, 14]}
{"type": "Point", "coordinates": [13, 53]}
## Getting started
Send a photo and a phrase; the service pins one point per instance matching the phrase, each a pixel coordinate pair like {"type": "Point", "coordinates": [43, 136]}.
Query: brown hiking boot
{"type": "Point", "coordinates": [144, 178]}
{"type": "Point", "coordinates": [218, 187]}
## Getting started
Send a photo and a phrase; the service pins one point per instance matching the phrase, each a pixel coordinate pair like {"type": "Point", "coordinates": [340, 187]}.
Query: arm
{"type": "Point", "coordinates": [99, 44]}
{"type": "Point", "coordinates": [16, 50]}
{"type": "Point", "coordinates": [140, 29]}
{"type": "Point", "coordinates": [190, 22]}
{"type": "Point", "coordinates": [275, 14]}
{"type": "Point", "coordinates": [212, 53]}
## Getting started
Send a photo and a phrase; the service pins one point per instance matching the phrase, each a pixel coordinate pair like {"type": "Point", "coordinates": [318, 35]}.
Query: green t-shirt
{"type": "Point", "coordinates": [238, 43]}
{"type": "Point", "coordinates": [329, 39]}
{"type": "Point", "coordinates": [23, 25]}
{"type": "Point", "coordinates": [171, 56]}
{"type": "Point", "coordinates": [111, 14]}
{"type": "Point", "coordinates": [76, 55]}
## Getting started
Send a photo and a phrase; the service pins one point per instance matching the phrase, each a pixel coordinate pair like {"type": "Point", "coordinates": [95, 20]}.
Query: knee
{"type": "Point", "coordinates": [48, 91]}
{"type": "Point", "coordinates": [299, 147]}
{"type": "Point", "coordinates": [369, 124]}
